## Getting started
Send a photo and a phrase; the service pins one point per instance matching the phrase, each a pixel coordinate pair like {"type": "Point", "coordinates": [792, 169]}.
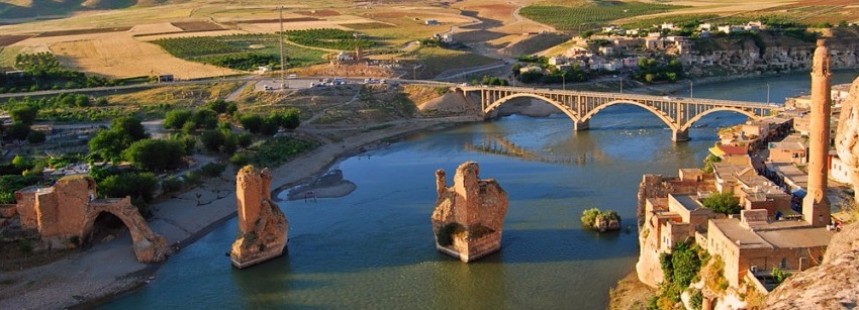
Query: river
{"type": "Point", "coordinates": [373, 249]}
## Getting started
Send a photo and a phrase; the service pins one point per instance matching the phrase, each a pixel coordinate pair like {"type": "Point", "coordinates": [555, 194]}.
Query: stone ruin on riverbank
{"type": "Point", "coordinates": [468, 217]}
{"type": "Point", "coordinates": [262, 226]}
{"type": "Point", "coordinates": [64, 216]}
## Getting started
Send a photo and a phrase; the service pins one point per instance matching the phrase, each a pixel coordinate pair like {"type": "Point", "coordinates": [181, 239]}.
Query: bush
{"type": "Point", "coordinates": [205, 118]}
{"type": "Point", "coordinates": [140, 186]}
{"type": "Point", "coordinates": [171, 185]}
{"type": "Point", "coordinates": [589, 217]}
{"type": "Point", "coordinates": [213, 169]}
{"type": "Point", "coordinates": [779, 275]}
{"type": "Point", "coordinates": [18, 131]}
{"type": "Point", "coordinates": [724, 203]}
{"type": "Point", "coordinates": [176, 119]}
{"type": "Point", "coordinates": [155, 155]}
{"type": "Point", "coordinates": [212, 140]}
{"type": "Point", "coordinates": [252, 123]}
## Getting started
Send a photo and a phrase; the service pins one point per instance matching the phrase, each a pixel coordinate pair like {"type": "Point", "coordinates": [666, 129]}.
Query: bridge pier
{"type": "Point", "coordinates": [581, 125]}
{"type": "Point", "coordinates": [680, 135]}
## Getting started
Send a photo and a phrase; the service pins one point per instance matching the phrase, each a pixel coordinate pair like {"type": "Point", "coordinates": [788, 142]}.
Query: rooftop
{"type": "Point", "coordinates": [804, 237]}
{"type": "Point", "coordinates": [688, 202]}
{"type": "Point", "coordinates": [739, 235]}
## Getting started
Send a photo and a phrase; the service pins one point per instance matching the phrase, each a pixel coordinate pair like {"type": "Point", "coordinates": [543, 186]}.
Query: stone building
{"type": "Point", "coordinates": [469, 216]}
{"type": "Point", "coordinates": [262, 226]}
{"type": "Point", "coordinates": [753, 242]}
{"type": "Point", "coordinates": [64, 215]}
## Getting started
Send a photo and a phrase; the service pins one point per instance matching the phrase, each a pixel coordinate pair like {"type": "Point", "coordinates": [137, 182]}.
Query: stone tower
{"type": "Point", "coordinates": [262, 226]}
{"type": "Point", "coordinates": [469, 216]}
{"type": "Point", "coordinates": [815, 209]}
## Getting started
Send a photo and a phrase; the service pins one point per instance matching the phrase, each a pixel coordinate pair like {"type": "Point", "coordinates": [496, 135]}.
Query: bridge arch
{"type": "Point", "coordinates": [665, 119]}
{"type": "Point", "coordinates": [701, 115]}
{"type": "Point", "coordinates": [571, 114]}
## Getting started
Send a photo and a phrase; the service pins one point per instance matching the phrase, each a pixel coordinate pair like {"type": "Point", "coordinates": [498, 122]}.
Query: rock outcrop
{"type": "Point", "coordinates": [262, 226]}
{"type": "Point", "coordinates": [832, 285]}
{"type": "Point", "coordinates": [468, 217]}
{"type": "Point", "coordinates": [65, 213]}
{"type": "Point", "coordinates": [847, 135]}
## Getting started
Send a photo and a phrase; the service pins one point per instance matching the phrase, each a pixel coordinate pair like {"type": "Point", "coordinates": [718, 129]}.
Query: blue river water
{"type": "Point", "coordinates": [373, 249]}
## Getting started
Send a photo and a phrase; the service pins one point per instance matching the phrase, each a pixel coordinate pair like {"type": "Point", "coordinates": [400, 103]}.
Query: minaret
{"type": "Point", "coordinates": [815, 210]}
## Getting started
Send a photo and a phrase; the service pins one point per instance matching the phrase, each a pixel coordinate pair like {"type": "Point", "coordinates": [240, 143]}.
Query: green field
{"type": "Point", "coordinates": [242, 52]}
{"type": "Point", "coordinates": [330, 39]}
{"type": "Point", "coordinates": [590, 15]}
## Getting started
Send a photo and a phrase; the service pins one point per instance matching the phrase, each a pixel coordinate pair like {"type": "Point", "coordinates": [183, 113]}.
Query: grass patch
{"type": "Point", "coordinates": [591, 14]}
{"type": "Point", "coordinates": [276, 151]}
{"type": "Point", "coordinates": [330, 38]}
{"type": "Point", "coordinates": [242, 52]}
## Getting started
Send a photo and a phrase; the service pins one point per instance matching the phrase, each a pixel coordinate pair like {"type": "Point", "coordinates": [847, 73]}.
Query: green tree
{"type": "Point", "coordinates": [108, 145]}
{"type": "Point", "coordinates": [130, 127]}
{"type": "Point", "coordinates": [779, 275]}
{"type": "Point", "coordinates": [177, 118]}
{"type": "Point", "coordinates": [724, 203]}
{"type": "Point", "coordinates": [212, 139]}
{"type": "Point", "coordinates": [589, 217]}
{"type": "Point", "coordinates": [25, 114]}
{"type": "Point", "coordinates": [140, 186]}
{"type": "Point", "coordinates": [205, 118]}
{"type": "Point", "coordinates": [252, 123]}
{"type": "Point", "coordinates": [685, 263]}
{"type": "Point", "coordinates": [155, 155]}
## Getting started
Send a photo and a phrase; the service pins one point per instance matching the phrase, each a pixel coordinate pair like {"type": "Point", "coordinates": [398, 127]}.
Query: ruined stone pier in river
{"type": "Point", "coordinates": [468, 217]}
{"type": "Point", "coordinates": [262, 226]}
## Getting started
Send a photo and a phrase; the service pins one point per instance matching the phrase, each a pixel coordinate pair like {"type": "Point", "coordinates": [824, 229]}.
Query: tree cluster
{"type": "Point", "coordinates": [651, 70]}
{"type": "Point", "coordinates": [42, 71]}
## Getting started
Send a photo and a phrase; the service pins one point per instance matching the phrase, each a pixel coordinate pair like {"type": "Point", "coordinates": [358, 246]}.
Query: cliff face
{"type": "Point", "coordinates": [767, 53]}
{"type": "Point", "coordinates": [832, 285]}
{"type": "Point", "coordinates": [847, 135]}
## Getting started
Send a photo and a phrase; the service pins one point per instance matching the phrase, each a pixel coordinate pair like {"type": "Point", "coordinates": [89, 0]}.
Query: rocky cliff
{"type": "Point", "coordinates": [767, 52]}
{"type": "Point", "coordinates": [847, 135]}
{"type": "Point", "coordinates": [832, 285]}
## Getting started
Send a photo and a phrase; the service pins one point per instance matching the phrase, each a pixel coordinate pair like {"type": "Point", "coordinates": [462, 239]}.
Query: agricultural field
{"type": "Point", "coordinates": [591, 14]}
{"type": "Point", "coordinates": [240, 52]}
{"type": "Point", "coordinates": [330, 39]}
{"type": "Point", "coordinates": [436, 60]}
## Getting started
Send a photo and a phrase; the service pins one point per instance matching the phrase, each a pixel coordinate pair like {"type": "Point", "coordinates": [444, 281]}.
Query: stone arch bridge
{"type": "Point", "coordinates": [677, 113]}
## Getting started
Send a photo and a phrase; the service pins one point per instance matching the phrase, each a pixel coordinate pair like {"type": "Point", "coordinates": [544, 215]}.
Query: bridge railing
{"type": "Point", "coordinates": [625, 96]}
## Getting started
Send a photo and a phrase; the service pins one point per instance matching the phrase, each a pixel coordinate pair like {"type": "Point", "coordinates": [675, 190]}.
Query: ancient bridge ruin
{"type": "Point", "coordinates": [580, 106]}
{"type": "Point", "coordinates": [64, 216]}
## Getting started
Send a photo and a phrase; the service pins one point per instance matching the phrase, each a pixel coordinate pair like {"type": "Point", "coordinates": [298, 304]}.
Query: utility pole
{"type": "Point", "coordinates": [282, 62]}
{"type": "Point", "coordinates": [564, 81]}
{"type": "Point", "coordinates": [691, 90]}
{"type": "Point", "coordinates": [768, 92]}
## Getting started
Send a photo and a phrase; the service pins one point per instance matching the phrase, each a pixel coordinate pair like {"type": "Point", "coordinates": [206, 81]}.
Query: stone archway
{"type": "Point", "coordinates": [148, 246]}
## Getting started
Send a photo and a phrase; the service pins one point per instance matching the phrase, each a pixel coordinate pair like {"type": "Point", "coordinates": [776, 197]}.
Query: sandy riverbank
{"type": "Point", "coordinates": [102, 272]}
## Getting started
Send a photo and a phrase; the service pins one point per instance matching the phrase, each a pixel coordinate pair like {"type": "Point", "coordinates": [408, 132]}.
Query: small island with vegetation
{"type": "Point", "coordinates": [601, 221]}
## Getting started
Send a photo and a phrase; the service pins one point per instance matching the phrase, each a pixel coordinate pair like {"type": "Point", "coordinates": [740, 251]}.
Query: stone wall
{"type": "Point", "coordinates": [469, 216]}
{"type": "Point", "coordinates": [262, 225]}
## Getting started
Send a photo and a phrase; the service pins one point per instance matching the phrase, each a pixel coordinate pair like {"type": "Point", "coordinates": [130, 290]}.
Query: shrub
{"type": "Point", "coordinates": [177, 118]}
{"type": "Point", "coordinates": [139, 186]}
{"type": "Point", "coordinates": [155, 155]}
{"type": "Point", "coordinates": [171, 185]}
{"type": "Point", "coordinates": [589, 217]}
{"type": "Point", "coordinates": [252, 123]}
{"type": "Point", "coordinates": [213, 169]}
{"type": "Point", "coordinates": [724, 203]}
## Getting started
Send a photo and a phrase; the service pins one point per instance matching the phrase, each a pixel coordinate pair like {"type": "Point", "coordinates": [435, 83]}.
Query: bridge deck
{"type": "Point", "coordinates": [625, 96]}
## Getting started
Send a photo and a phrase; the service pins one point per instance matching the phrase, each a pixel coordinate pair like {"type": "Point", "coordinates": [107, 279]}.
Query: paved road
{"type": "Point", "coordinates": [273, 83]}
